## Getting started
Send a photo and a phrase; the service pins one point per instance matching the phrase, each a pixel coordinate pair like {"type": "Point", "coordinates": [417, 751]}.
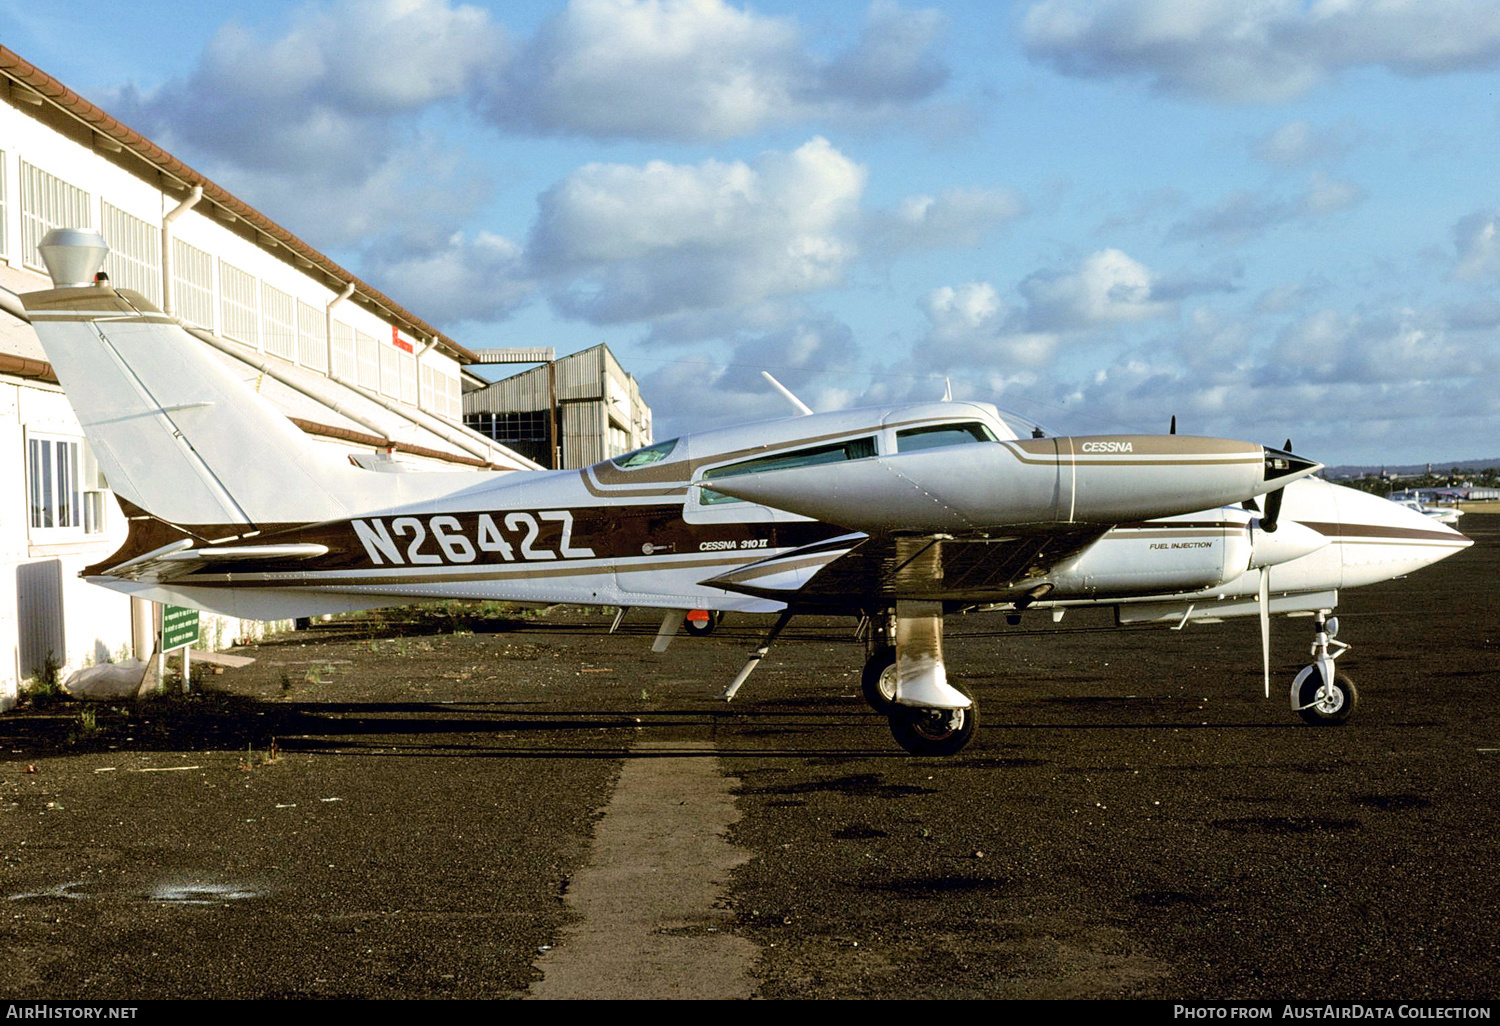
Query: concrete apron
{"type": "Point", "coordinates": [650, 921]}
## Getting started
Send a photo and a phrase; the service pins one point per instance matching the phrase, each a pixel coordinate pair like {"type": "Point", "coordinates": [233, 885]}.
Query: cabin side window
{"type": "Point", "coordinates": [938, 435]}
{"type": "Point", "coordinates": [837, 452]}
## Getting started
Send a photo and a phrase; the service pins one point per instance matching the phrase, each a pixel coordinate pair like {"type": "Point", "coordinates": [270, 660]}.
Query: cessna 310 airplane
{"type": "Point", "coordinates": [898, 514]}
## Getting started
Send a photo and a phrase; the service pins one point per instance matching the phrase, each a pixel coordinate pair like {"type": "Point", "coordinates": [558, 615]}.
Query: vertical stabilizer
{"type": "Point", "coordinates": [175, 432]}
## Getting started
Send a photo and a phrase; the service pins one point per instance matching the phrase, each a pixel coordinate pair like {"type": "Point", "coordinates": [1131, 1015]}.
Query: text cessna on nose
{"type": "Point", "coordinates": [1106, 447]}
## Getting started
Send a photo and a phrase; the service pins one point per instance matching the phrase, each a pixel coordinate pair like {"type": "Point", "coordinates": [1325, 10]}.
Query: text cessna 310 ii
{"type": "Point", "coordinates": [898, 514]}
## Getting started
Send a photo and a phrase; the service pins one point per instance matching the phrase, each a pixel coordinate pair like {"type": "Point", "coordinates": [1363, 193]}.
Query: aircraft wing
{"type": "Point", "coordinates": [852, 569]}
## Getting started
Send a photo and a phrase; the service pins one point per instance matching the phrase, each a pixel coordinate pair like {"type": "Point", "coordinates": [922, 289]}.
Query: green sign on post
{"type": "Point", "coordinates": [179, 627]}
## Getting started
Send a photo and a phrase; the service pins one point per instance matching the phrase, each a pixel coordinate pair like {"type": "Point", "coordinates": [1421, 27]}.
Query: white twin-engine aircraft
{"type": "Point", "coordinates": [896, 514]}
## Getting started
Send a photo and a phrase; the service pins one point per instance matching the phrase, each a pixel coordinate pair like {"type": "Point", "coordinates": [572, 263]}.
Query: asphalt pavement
{"type": "Point", "coordinates": [453, 805]}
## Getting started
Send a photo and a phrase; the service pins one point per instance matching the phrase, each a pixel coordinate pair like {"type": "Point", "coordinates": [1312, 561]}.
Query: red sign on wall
{"type": "Point", "coordinates": [398, 341]}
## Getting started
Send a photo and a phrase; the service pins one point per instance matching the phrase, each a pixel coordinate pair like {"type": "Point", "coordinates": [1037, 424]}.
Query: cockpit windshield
{"type": "Point", "coordinates": [935, 435]}
{"type": "Point", "coordinates": [645, 457]}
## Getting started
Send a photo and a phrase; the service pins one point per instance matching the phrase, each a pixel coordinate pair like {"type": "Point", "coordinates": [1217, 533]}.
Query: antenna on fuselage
{"type": "Point", "coordinates": [803, 410]}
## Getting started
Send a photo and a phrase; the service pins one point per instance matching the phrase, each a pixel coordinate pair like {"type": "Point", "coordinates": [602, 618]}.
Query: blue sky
{"type": "Point", "coordinates": [1272, 218]}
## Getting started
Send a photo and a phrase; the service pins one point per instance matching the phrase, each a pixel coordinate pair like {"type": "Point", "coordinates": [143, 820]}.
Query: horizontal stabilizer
{"type": "Point", "coordinates": [177, 560]}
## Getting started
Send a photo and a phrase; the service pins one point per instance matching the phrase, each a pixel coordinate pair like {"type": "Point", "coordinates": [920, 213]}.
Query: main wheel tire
{"type": "Point", "coordinates": [934, 731]}
{"type": "Point", "coordinates": [701, 628]}
{"type": "Point", "coordinates": [1335, 706]}
{"type": "Point", "coordinates": [878, 682]}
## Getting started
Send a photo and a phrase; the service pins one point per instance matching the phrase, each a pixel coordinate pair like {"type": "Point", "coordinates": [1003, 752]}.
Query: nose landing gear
{"type": "Point", "coordinates": [1320, 695]}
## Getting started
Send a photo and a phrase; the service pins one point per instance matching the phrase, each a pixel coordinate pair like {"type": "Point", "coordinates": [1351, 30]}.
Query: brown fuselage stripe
{"type": "Point", "coordinates": [1371, 531]}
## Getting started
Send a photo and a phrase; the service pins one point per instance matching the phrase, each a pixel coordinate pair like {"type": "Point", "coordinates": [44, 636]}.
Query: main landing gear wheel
{"type": "Point", "coordinates": [934, 731]}
{"type": "Point", "coordinates": [878, 683]}
{"type": "Point", "coordinates": [1326, 707]}
{"type": "Point", "coordinates": [700, 628]}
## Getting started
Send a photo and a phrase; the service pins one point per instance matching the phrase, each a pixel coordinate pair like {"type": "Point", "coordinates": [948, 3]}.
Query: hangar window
{"type": "Point", "coordinates": [390, 371]}
{"type": "Point", "coordinates": [239, 304]}
{"type": "Point", "coordinates": [134, 260]}
{"type": "Point", "coordinates": [48, 202]}
{"type": "Point", "coordinates": [193, 284]}
{"type": "Point", "coordinates": [312, 337]}
{"type": "Point", "coordinates": [64, 490]}
{"type": "Point", "coordinates": [407, 365]}
{"type": "Point", "coordinates": [838, 452]}
{"type": "Point", "coordinates": [942, 434]}
{"type": "Point", "coordinates": [280, 323]}
{"type": "Point", "coordinates": [343, 351]}
{"type": "Point", "coordinates": [367, 351]}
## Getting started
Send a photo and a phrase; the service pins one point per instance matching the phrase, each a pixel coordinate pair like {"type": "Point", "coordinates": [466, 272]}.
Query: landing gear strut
{"type": "Point", "coordinates": [904, 679]}
{"type": "Point", "coordinates": [1321, 695]}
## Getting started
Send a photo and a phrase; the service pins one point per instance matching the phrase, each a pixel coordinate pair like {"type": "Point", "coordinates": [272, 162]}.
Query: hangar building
{"type": "Point", "coordinates": [570, 412]}
{"type": "Point", "coordinates": [349, 365]}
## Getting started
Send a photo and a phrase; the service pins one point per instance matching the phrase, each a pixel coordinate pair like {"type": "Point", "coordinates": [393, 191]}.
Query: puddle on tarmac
{"type": "Point", "coordinates": [174, 893]}
{"type": "Point", "coordinates": [201, 893]}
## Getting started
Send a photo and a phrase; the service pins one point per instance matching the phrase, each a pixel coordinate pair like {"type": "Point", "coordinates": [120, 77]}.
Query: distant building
{"type": "Point", "coordinates": [598, 410]}
{"type": "Point", "coordinates": [372, 382]}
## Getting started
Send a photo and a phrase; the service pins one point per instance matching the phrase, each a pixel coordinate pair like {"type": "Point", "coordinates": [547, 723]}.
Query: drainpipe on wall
{"type": "Point", "coordinates": [328, 313]}
{"type": "Point", "coordinates": [168, 300]}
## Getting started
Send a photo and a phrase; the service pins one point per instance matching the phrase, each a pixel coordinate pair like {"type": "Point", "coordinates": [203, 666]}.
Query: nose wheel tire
{"type": "Point", "coordinates": [1326, 706]}
{"type": "Point", "coordinates": [934, 731]}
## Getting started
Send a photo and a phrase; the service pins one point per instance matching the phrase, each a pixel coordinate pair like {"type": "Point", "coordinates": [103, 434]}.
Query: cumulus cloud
{"type": "Point", "coordinates": [971, 328]}
{"type": "Point", "coordinates": [1245, 215]}
{"type": "Point", "coordinates": [1397, 347]}
{"type": "Point", "coordinates": [812, 354]}
{"type": "Point", "coordinates": [956, 217]}
{"type": "Point", "coordinates": [1265, 51]}
{"type": "Point", "coordinates": [1108, 288]}
{"type": "Point", "coordinates": [458, 278]}
{"type": "Point", "coordinates": [703, 69]}
{"type": "Point", "coordinates": [1299, 143]}
{"type": "Point", "coordinates": [1477, 240]}
{"type": "Point", "coordinates": [1369, 385]}
{"type": "Point", "coordinates": [624, 243]}
{"type": "Point", "coordinates": [326, 108]}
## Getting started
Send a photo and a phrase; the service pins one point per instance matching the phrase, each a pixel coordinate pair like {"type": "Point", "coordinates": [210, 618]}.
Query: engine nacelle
{"type": "Point", "coordinates": [1166, 556]}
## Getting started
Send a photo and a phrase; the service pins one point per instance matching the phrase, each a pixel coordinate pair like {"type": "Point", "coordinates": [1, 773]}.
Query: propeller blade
{"type": "Point", "coordinates": [1264, 600]}
{"type": "Point", "coordinates": [1272, 513]}
{"type": "Point", "coordinates": [1173, 429]}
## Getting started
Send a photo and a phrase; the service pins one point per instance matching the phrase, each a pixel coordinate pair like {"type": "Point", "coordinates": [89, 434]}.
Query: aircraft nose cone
{"type": "Point", "coordinates": [1281, 464]}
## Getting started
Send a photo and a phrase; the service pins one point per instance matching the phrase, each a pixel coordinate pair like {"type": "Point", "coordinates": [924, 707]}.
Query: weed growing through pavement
{"type": "Point", "coordinates": [254, 759]}
{"type": "Point", "coordinates": [46, 683]}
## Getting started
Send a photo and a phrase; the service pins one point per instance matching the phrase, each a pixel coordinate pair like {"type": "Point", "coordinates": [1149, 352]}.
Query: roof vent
{"type": "Point", "coordinates": [72, 255]}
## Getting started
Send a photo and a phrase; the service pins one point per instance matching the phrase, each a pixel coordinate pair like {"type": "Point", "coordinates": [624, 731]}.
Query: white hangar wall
{"type": "Point", "coordinates": [357, 372]}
